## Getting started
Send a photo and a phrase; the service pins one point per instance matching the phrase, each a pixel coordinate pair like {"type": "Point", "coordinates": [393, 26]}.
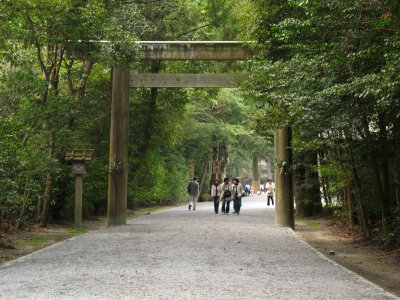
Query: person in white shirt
{"type": "Point", "coordinates": [226, 196]}
{"type": "Point", "coordinates": [238, 193]}
{"type": "Point", "coordinates": [216, 191]}
{"type": "Point", "coordinates": [270, 190]}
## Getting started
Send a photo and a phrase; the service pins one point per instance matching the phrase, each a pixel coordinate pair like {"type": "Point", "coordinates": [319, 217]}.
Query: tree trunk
{"type": "Point", "coordinates": [269, 167]}
{"type": "Point", "coordinates": [324, 181]}
{"type": "Point", "coordinates": [26, 196]}
{"type": "Point", "coordinates": [203, 176]}
{"type": "Point", "coordinates": [385, 204]}
{"type": "Point", "coordinates": [299, 181]}
{"type": "Point", "coordinates": [214, 173]}
{"type": "Point", "coordinates": [357, 185]}
{"type": "Point", "coordinates": [379, 182]}
{"type": "Point", "coordinates": [324, 191]}
{"type": "Point", "coordinates": [86, 69]}
{"type": "Point", "coordinates": [396, 145]}
{"type": "Point", "coordinates": [344, 204]}
{"type": "Point", "coordinates": [312, 191]}
{"type": "Point", "coordinates": [150, 129]}
{"type": "Point", "coordinates": [386, 212]}
{"type": "Point", "coordinates": [223, 160]}
{"type": "Point", "coordinates": [397, 181]}
{"type": "Point", "coordinates": [256, 174]}
{"type": "Point", "coordinates": [350, 207]}
{"type": "Point", "coordinates": [106, 117]}
{"type": "Point", "coordinates": [47, 191]}
{"type": "Point", "coordinates": [191, 172]}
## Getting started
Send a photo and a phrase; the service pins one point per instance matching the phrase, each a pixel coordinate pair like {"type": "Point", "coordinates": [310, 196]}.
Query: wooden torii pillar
{"type": "Point", "coordinates": [284, 206]}
{"type": "Point", "coordinates": [119, 142]}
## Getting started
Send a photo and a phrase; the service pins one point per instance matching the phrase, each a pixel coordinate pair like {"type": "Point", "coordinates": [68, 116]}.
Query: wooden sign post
{"type": "Point", "coordinates": [79, 159]}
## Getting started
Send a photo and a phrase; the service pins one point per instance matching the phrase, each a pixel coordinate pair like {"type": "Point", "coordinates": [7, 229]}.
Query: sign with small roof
{"type": "Point", "coordinates": [79, 158]}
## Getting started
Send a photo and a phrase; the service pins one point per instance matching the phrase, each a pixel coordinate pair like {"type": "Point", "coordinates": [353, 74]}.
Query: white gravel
{"type": "Point", "coordinates": [177, 254]}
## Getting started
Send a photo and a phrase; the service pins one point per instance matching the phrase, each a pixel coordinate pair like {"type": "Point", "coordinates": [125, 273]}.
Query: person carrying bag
{"type": "Point", "coordinates": [216, 191]}
{"type": "Point", "coordinates": [238, 193]}
{"type": "Point", "coordinates": [226, 196]}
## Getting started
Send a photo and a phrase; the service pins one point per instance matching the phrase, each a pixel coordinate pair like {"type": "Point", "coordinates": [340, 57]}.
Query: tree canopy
{"type": "Point", "coordinates": [326, 69]}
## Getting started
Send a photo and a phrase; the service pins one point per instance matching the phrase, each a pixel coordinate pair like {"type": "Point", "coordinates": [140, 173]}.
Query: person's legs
{"type": "Point", "coordinates": [238, 204]}
{"type": "Point", "coordinates": [269, 198]}
{"type": "Point", "coordinates": [194, 202]}
{"type": "Point", "coordinates": [228, 203]}
{"type": "Point", "coordinates": [223, 205]}
{"type": "Point", "coordinates": [216, 204]}
{"type": "Point", "coordinates": [272, 200]}
{"type": "Point", "coordinates": [190, 202]}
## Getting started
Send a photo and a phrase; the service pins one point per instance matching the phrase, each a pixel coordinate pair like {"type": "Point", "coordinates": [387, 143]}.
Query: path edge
{"type": "Point", "coordinates": [385, 292]}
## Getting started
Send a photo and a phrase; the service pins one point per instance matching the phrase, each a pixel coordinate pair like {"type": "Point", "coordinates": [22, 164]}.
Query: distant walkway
{"type": "Point", "coordinates": [177, 254]}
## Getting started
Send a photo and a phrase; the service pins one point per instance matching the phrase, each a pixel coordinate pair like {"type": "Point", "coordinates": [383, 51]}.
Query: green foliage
{"type": "Point", "coordinates": [329, 69]}
{"type": "Point", "coordinates": [55, 59]}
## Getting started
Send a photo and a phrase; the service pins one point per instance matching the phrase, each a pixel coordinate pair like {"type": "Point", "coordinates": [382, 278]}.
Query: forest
{"type": "Point", "coordinates": [328, 70]}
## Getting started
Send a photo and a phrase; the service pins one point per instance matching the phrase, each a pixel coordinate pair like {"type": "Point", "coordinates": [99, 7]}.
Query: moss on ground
{"type": "Point", "coordinates": [72, 230]}
{"type": "Point", "coordinates": [312, 224]}
{"type": "Point", "coordinates": [38, 240]}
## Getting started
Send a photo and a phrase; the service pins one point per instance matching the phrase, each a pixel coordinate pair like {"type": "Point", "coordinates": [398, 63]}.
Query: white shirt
{"type": "Point", "coordinates": [270, 187]}
{"type": "Point", "coordinates": [216, 191]}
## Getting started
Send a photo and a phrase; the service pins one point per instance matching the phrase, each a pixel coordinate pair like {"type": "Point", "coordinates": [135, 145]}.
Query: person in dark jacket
{"type": "Point", "coordinates": [193, 191]}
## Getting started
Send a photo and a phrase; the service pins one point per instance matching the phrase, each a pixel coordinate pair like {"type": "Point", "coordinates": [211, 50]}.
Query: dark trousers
{"type": "Point", "coordinates": [237, 203]}
{"type": "Point", "coordinates": [272, 200]}
{"type": "Point", "coordinates": [216, 204]}
{"type": "Point", "coordinates": [225, 206]}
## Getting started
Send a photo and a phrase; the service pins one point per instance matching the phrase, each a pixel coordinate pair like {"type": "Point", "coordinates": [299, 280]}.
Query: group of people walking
{"type": "Point", "coordinates": [225, 193]}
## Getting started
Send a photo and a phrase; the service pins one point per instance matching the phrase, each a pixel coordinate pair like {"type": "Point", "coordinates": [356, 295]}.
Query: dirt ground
{"type": "Point", "coordinates": [370, 261]}
{"type": "Point", "coordinates": [16, 243]}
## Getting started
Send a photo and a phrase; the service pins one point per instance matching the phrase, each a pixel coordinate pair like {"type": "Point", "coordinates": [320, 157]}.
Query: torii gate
{"type": "Point", "coordinates": [123, 80]}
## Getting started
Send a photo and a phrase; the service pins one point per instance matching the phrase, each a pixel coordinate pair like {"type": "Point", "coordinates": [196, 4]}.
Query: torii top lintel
{"type": "Point", "coordinates": [195, 50]}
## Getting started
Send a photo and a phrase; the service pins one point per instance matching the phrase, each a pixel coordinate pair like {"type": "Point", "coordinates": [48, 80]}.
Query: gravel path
{"type": "Point", "coordinates": [177, 254]}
